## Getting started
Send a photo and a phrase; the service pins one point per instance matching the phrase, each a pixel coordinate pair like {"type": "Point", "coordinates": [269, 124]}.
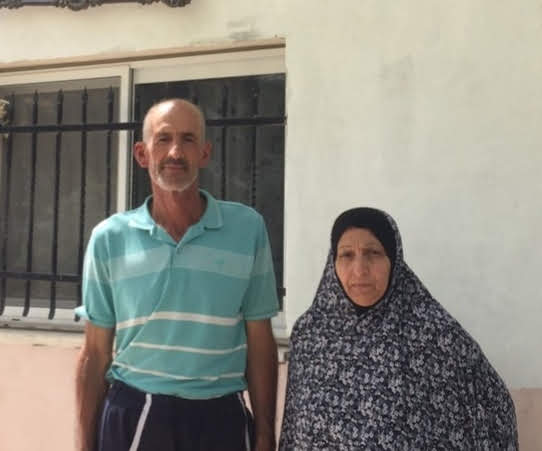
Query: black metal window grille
{"type": "Point", "coordinates": [57, 179]}
{"type": "Point", "coordinates": [48, 210]}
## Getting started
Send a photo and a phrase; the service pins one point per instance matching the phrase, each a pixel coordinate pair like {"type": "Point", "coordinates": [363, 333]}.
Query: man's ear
{"type": "Point", "coordinates": [140, 154]}
{"type": "Point", "coordinates": [205, 154]}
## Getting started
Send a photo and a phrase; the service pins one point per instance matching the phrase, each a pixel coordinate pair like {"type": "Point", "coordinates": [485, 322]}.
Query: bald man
{"type": "Point", "coordinates": [184, 287]}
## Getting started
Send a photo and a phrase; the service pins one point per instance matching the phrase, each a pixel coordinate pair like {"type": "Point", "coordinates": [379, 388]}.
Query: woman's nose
{"type": "Point", "coordinates": [360, 265]}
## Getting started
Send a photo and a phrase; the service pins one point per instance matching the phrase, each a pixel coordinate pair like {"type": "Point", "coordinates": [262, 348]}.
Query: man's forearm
{"type": "Point", "coordinates": [91, 388]}
{"type": "Point", "coordinates": [262, 386]}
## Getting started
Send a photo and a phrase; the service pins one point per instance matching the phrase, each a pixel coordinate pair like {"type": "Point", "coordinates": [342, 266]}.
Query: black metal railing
{"type": "Point", "coordinates": [80, 5]}
{"type": "Point", "coordinates": [59, 128]}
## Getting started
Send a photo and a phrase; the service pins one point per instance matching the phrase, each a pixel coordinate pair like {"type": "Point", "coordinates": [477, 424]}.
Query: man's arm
{"type": "Point", "coordinates": [90, 383]}
{"type": "Point", "coordinates": [262, 381]}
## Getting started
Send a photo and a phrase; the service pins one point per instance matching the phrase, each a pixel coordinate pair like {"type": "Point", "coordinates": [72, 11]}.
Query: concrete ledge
{"type": "Point", "coordinates": [16, 336]}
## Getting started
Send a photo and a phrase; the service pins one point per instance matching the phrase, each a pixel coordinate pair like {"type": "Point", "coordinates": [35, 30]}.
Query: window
{"type": "Point", "coordinates": [53, 191]}
{"type": "Point", "coordinates": [59, 167]}
{"type": "Point", "coordinates": [245, 118]}
{"type": "Point", "coordinates": [64, 161]}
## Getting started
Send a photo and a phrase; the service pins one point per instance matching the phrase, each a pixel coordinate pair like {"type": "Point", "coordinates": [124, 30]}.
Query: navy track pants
{"type": "Point", "coordinates": [136, 421]}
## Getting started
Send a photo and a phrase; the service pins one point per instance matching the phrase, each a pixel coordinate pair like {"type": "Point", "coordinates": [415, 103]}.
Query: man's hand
{"type": "Point", "coordinates": [262, 381]}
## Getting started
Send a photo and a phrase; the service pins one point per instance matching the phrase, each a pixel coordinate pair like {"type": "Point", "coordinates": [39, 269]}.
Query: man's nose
{"type": "Point", "coordinates": [176, 150]}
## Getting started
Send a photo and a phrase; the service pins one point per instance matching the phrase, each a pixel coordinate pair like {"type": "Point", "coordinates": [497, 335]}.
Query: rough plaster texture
{"type": "Point", "coordinates": [429, 110]}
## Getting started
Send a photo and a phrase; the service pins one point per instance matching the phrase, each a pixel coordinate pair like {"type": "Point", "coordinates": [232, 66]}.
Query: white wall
{"type": "Point", "coordinates": [430, 110]}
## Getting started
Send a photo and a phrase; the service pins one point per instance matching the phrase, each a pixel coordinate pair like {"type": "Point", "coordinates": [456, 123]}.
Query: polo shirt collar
{"type": "Point", "coordinates": [211, 219]}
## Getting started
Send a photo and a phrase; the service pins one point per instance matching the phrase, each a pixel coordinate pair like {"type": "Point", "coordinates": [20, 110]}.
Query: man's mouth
{"type": "Point", "coordinates": [174, 165]}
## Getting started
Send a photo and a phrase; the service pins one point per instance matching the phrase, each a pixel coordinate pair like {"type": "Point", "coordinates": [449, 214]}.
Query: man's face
{"type": "Point", "coordinates": [174, 150]}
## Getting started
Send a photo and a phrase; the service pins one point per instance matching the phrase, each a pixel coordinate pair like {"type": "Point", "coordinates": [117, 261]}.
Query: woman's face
{"type": "Point", "coordinates": [362, 266]}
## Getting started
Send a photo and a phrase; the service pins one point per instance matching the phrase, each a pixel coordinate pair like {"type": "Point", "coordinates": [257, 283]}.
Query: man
{"type": "Point", "coordinates": [186, 287]}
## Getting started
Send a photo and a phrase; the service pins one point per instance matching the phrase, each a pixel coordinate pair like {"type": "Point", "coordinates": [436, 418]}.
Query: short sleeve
{"type": "Point", "coordinates": [260, 300]}
{"type": "Point", "coordinates": [98, 305]}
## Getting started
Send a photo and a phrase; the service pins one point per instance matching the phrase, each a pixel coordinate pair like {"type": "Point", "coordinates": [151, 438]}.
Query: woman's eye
{"type": "Point", "coordinates": [346, 255]}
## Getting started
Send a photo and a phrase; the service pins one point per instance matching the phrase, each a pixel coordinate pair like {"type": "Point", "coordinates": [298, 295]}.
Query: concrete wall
{"type": "Point", "coordinates": [38, 404]}
{"type": "Point", "coordinates": [37, 391]}
{"type": "Point", "coordinates": [430, 110]}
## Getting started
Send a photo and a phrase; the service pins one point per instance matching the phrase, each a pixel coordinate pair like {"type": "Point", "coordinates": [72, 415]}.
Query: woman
{"type": "Point", "coordinates": [377, 364]}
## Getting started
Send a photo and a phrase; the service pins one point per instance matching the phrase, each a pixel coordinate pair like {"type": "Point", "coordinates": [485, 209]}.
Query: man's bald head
{"type": "Point", "coordinates": [169, 104]}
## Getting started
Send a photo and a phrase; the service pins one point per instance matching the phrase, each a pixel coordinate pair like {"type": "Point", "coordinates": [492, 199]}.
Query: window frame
{"type": "Point", "coordinates": [63, 319]}
{"type": "Point", "coordinates": [233, 63]}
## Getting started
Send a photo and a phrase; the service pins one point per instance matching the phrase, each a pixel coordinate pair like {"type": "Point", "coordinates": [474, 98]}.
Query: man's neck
{"type": "Point", "coordinates": [175, 211]}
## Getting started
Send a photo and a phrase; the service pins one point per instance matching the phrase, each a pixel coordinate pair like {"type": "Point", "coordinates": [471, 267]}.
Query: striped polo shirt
{"type": "Point", "coordinates": [179, 308]}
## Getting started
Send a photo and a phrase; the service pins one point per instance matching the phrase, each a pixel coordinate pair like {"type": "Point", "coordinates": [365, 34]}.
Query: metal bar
{"type": "Point", "coordinates": [84, 105]}
{"type": "Point", "coordinates": [77, 6]}
{"type": "Point", "coordinates": [136, 136]}
{"type": "Point", "coordinates": [9, 156]}
{"type": "Point", "coordinates": [54, 250]}
{"type": "Point", "coordinates": [110, 98]}
{"type": "Point", "coordinates": [255, 105]}
{"type": "Point", "coordinates": [48, 277]}
{"type": "Point", "coordinates": [193, 93]}
{"type": "Point", "coordinates": [222, 122]}
{"type": "Point", "coordinates": [69, 127]}
{"type": "Point", "coordinates": [137, 108]}
{"type": "Point", "coordinates": [31, 206]}
{"type": "Point", "coordinates": [224, 112]}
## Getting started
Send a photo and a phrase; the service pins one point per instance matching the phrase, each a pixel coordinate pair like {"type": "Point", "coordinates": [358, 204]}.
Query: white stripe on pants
{"type": "Point", "coordinates": [141, 422]}
{"type": "Point", "coordinates": [247, 437]}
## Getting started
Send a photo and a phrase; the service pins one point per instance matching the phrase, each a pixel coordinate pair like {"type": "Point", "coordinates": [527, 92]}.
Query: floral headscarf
{"type": "Point", "coordinates": [403, 376]}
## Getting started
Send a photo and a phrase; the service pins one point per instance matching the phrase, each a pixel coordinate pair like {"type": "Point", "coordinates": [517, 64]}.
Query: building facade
{"type": "Point", "coordinates": [429, 111]}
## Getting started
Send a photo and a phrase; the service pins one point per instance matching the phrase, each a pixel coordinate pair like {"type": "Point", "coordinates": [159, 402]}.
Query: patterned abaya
{"type": "Point", "coordinates": [403, 375]}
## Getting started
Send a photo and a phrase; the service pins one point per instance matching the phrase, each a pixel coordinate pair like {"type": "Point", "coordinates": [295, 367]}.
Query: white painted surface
{"type": "Point", "coordinates": [430, 110]}
{"type": "Point", "coordinates": [50, 412]}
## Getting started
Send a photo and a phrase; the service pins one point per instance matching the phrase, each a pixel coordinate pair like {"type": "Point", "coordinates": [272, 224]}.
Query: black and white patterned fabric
{"type": "Point", "coordinates": [403, 375]}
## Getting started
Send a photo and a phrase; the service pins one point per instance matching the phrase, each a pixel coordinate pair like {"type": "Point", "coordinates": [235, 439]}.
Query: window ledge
{"type": "Point", "coordinates": [36, 337]}
{"type": "Point", "coordinates": [38, 320]}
